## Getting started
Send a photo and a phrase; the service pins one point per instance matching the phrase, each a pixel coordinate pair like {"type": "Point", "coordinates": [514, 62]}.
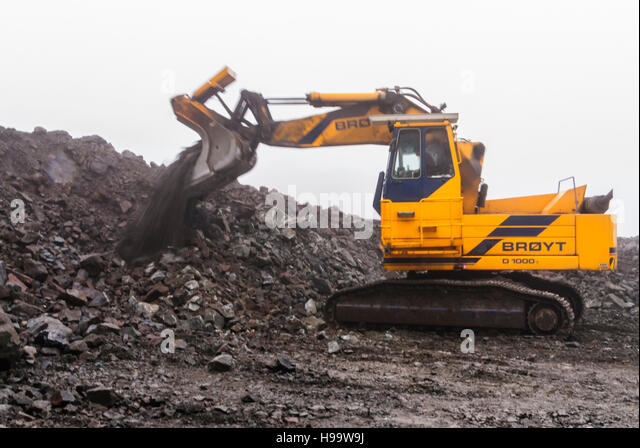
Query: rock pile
{"type": "Point", "coordinates": [66, 297]}
{"type": "Point", "coordinates": [67, 293]}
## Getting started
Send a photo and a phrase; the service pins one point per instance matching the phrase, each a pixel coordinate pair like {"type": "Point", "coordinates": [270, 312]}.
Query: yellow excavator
{"type": "Point", "coordinates": [466, 256]}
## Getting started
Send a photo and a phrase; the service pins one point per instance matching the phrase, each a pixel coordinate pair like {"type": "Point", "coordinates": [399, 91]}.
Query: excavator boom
{"type": "Point", "coordinates": [229, 142]}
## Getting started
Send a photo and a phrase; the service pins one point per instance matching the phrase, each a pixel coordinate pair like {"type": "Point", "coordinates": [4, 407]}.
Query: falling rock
{"type": "Point", "coordinates": [221, 363]}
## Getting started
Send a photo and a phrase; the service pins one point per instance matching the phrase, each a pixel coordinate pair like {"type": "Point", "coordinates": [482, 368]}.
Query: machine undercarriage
{"type": "Point", "coordinates": [514, 300]}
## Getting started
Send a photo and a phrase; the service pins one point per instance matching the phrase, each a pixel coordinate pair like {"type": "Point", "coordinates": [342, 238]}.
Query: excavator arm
{"type": "Point", "coordinates": [229, 141]}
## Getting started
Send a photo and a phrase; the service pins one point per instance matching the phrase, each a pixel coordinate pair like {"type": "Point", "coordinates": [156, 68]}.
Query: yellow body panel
{"type": "Point", "coordinates": [597, 252]}
{"type": "Point", "coordinates": [576, 242]}
{"type": "Point", "coordinates": [445, 231]}
{"type": "Point", "coordinates": [562, 202]}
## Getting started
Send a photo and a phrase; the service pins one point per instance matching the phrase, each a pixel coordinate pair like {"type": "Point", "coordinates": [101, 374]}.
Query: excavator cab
{"type": "Point", "coordinates": [420, 197]}
{"type": "Point", "coordinates": [421, 162]}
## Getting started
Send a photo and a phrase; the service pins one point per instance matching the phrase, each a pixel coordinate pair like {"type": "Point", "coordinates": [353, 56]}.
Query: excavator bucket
{"type": "Point", "coordinates": [218, 159]}
{"type": "Point", "coordinates": [224, 153]}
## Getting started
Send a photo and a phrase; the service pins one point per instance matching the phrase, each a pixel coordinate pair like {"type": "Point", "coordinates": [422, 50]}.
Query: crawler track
{"type": "Point", "coordinates": [470, 300]}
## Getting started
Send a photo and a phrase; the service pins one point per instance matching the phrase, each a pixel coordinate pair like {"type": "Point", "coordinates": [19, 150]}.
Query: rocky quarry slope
{"type": "Point", "coordinates": [83, 337]}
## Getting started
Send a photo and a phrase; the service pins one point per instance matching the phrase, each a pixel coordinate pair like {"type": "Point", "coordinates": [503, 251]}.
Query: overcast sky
{"type": "Point", "coordinates": [551, 88]}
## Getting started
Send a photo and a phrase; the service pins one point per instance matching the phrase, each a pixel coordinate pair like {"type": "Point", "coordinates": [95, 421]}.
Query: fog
{"type": "Point", "coordinates": [551, 88]}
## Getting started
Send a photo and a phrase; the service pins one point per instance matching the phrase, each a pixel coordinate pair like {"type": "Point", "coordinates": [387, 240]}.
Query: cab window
{"type": "Point", "coordinates": [437, 153]}
{"type": "Point", "coordinates": [408, 161]}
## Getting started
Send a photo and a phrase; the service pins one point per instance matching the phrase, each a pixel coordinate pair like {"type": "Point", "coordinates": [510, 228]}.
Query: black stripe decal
{"type": "Point", "coordinates": [529, 220]}
{"type": "Point", "coordinates": [484, 246]}
{"type": "Point", "coordinates": [517, 231]}
{"type": "Point", "coordinates": [432, 260]}
{"type": "Point", "coordinates": [349, 112]}
{"type": "Point", "coordinates": [613, 250]}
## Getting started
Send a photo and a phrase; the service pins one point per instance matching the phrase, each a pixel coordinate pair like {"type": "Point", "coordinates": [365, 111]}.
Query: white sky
{"type": "Point", "coordinates": [551, 88]}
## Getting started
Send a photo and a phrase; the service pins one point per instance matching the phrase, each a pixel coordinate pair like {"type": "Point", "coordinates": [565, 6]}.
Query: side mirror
{"type": "Point", "coordinates": [482, 196]}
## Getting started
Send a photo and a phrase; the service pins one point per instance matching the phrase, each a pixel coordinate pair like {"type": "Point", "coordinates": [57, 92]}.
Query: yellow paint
{"type": "Point", "coordinates": [216, 84]}
{"type": "Point", "coordinates": [343, 99]}
{"type": "Point", "coordinates": [564, 202]}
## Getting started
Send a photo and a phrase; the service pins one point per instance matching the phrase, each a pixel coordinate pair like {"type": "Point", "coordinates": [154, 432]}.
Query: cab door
{"type": "Point", "coordinates": [422, 205]}
{"type": "Point", "coordinates": [440, 211]}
